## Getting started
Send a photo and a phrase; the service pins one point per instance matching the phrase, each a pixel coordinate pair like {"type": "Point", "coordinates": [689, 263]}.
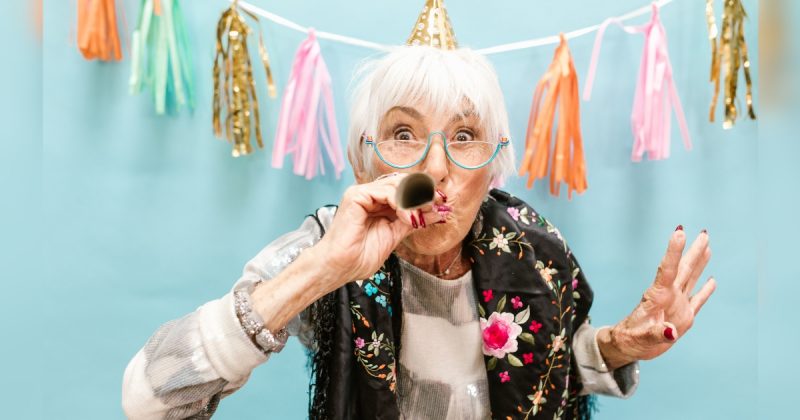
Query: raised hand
{"type": "Point", "coordinates": [368, 226]}
{"type": "Point", "coordinates": [667, 309]}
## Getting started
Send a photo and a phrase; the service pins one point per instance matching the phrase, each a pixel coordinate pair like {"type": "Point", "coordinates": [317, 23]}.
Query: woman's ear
{"type": "Point", "coordinates": [359, 173]}
{"type": "Point", "coordinates": [361, 176]}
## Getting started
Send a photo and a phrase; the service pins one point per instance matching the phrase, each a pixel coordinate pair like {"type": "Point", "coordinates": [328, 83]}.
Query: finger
{"type": "Point", "coordinates": [668, 268]}
{"type": "Point", "coordinates": [662, 332]}
{"type": "Point", "coordinates": [392, 178]}
{"type": "Point", "coordinates": [375, 199]}
{"type": "Point", "coordinates": [691, 260]}
{"type": "Point", "coordinates": [699, 299]}
{"type": "Point", "coordinates": [697, 271]}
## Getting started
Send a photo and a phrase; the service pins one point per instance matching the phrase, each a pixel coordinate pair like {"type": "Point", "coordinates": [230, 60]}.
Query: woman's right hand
{"type": "Point", "coordinates": [367, 227]}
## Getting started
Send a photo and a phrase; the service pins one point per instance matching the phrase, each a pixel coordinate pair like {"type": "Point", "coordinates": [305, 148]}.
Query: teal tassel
{"type": "Point", "coordinates": [160, 56]}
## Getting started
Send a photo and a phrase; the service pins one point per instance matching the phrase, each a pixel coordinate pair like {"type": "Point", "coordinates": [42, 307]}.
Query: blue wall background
{"type": "Point", "coordinates": [140, 219]}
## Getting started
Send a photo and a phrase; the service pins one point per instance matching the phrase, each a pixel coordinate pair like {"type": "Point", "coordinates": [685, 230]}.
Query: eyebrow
{"type": "Point", "coordinates": [469, 112]}
{"type": "Point", "coordinates": [411, 112]}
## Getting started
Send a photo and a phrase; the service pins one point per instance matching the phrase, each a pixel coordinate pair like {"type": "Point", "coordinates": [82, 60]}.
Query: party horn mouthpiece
{"type": "Point", "coordinates": [415, 190]}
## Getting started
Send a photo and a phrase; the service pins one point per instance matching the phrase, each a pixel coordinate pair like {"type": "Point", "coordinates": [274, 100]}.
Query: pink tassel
{"type": "Point", "coordinates": [307, 102]}
{"type": "Point", "coordinates": [655, 91]}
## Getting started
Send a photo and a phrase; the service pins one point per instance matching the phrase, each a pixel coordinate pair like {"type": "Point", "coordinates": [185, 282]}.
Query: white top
{"type": "Point", "coordinates": [441, 374]}
{"type": "Point", "coordinates": [189, 364]}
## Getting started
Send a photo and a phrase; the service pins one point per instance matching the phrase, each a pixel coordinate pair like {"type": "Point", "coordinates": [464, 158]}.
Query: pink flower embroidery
{"type": "Point", "coordinates": [527, 358]}
{"type": "Point", "coordinates": [574, 284]}
{"type": "Point", "coordinates": [487, 295]}
{"type": "Point", "coordinates": [504, 377]}
{"type": "Point", "coordinates": [535, 326]}
{"type": "Point", "coordinates": [500, 334]}
{"type": "Point", "coordinates": [359, 342]}
{"type": "Point", "coordinates": [516, 302]}
{"type": "Point", "coordinates": [514, 212]}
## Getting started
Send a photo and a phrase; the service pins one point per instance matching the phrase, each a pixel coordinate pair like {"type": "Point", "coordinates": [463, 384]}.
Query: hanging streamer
{"type": "Point", "coordinates": [729, 52]}
{"type": "Point", "coordinates": [655, 91]}
{"type": "Point", "coordinates": [234, 86]}
{"type": "Point", "coordinates": [160, 55]}
{"type": "Point", "coordinates": [97, 30]}
{"type": "Point", "coordinates": [557, 88]}
{"type": "Point", "coordinates": [307, 104]}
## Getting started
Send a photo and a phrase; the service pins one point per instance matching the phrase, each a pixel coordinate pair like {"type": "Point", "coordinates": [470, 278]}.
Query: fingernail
{"type": "Point", "coordinates": [414, 221]}
{"type": "Point", "coordinates": [421, 218]}
{"type": "Point", "coordinates": [668, 334]}
{"type": "Point", "coordinates": [680, 227]}
{"type": "Point", "coordinates": [704, 231]}
{"type": "Point", "coordinates": [442, 194]}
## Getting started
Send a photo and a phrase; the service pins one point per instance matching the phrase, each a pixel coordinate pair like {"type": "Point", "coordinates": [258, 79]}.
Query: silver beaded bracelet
{"type": "Point", "coordinates": [253, 325]}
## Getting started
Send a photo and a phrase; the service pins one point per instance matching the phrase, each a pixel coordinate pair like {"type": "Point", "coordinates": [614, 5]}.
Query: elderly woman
{"type": "Point", "coordinates": [470, 307]}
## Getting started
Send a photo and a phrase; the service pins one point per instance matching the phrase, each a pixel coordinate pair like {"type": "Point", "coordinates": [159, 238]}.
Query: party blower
{"type": "Point", "coordinates": [415, 191]}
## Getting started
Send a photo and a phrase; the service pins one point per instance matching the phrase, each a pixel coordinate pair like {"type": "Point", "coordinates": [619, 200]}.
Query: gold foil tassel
{"type": "Point", "coordinates": [729, 52]}
{"type": "Point", "coordinates": [234, 87]}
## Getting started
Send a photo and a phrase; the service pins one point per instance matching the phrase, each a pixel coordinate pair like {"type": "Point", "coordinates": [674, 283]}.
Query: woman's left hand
{"type": "Point", "coordinates": [667, 309]}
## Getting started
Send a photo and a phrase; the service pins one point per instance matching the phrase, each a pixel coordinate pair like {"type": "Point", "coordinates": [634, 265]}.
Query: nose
{"type": "Point", "coordinates": [436, 163]}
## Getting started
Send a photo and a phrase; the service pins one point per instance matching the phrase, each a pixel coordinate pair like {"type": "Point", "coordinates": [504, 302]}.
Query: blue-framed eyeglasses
{"type": "Point", "coordinates": [467, 154]}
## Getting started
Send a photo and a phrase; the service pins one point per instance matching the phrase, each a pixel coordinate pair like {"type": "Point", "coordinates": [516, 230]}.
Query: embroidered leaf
{"type": "Point", "coordinates": [481, 311]}
{"type": "Point", "coordinates": [506, 249]}
{"type": "Point", "coordinates": [576, 295]}
{"type": "Point", "coordinates": [511, 235]}
{"type": "Point", "coordinates": [501, 304]}
{"type": "Point", "coordinates": [523, 316]}
{"type": "Point", "coordinates": [514, 361]}
{"type": "Point", "coordinates": [491, 363]}
{"type": "Point", "coordinates": [495, 231]}
{"type": "Point", "coordinates": [492, 245]}
{"type": "Point", "coordinates": [527, 337]}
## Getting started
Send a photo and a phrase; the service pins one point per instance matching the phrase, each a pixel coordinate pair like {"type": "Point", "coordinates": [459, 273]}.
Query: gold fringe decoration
{"type": "Point", "coordinates": [729, 52]}
{"type": "Point", "coordinates": [237, 89]}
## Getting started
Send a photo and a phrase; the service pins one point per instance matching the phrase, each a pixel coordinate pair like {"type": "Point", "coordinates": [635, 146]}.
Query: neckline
{"type": "Point", "coordinates": [428, 276]}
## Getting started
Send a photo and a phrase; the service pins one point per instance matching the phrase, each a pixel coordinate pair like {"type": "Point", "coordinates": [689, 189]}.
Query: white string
{"type": "Point", "coordinates": [513, 46]}
{"type": "Point", "coordinates": [280, 20]}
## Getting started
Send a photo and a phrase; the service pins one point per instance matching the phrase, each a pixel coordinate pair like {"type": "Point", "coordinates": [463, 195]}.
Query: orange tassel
{"type": "Point", "coordinates": [97, 30]}
{"type": "Point", "coordinates": [558, 87]}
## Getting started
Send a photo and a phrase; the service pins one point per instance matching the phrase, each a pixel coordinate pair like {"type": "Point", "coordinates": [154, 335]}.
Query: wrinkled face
{"type": "Point", "coordinates": [465, 188]}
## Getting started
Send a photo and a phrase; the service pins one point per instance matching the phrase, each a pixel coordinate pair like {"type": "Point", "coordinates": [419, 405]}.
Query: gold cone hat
{"type": "Point", "coordinates": [433, 27]}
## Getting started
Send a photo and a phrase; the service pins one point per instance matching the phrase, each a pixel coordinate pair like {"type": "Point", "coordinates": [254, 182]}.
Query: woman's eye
{"type": "Point", "coordinates": [403, 135]}
{"type": "Point", "coordinates": [464, 136]}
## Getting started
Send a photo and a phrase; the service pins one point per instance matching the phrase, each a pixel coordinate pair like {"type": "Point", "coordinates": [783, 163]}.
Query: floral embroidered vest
{"type": "Point", "coordinates": [532, 297]}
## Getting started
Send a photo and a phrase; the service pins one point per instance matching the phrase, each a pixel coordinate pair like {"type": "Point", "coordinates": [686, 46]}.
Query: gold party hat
{"type": "Point", "coordinates": [433, 27]}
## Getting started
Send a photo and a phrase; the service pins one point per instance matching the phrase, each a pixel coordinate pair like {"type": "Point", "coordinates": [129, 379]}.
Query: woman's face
{"type": "Point", "coordinates": [465, 189]}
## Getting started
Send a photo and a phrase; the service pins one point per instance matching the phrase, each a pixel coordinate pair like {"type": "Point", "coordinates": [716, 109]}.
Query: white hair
{"type": "Point", "coordinates": [442, 79]}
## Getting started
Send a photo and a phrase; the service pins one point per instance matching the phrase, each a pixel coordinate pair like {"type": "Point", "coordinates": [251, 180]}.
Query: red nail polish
{"type": "Point", "coordinates": [414, 222]}
{"type": "Point", "coordinates": [421, 219]}
{"type": "Point", "coordinates": [680, 227]}
{"type": "Point", "coordinates": [442, 194]}
{"type": "Point", "coordinates": [668, 334]}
